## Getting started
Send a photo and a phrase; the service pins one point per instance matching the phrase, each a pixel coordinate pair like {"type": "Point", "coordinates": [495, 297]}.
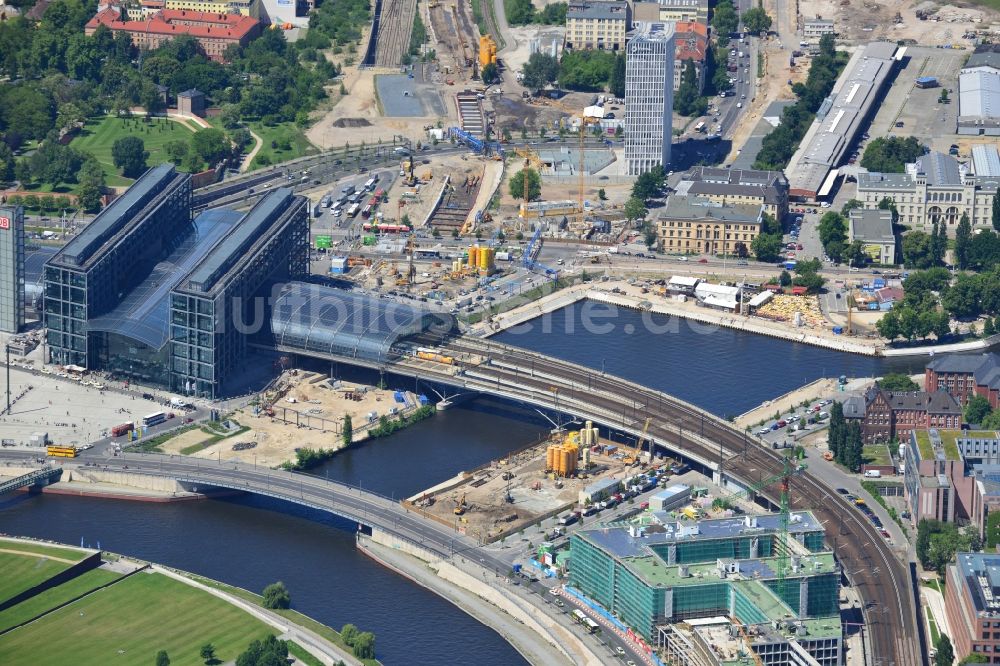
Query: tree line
{"type": "Point", "coordinates": [778, 147]}
{"type": "Point", "coordinates": [845, 440]}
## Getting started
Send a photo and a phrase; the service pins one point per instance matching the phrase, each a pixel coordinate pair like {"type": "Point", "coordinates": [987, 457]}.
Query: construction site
{"type": "Point", "coordinates": [300, 410]}
{"type": "Point", "coordinates": [533, 483]}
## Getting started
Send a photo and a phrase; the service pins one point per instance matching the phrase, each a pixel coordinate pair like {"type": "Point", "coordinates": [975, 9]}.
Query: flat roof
{"type": "Point", "coordinates": [144, 314]}
{"type": "Point", "coordinates": [237, 241]}
{"type": "Point", "coordinates": [872, 225]}
{"type": "Point", "coordinates": [115, 216]}
{"type": "Point", "coordinates": [587, 10]}
{"type": "Point", "coordinates": [986, 160]}
{"type": "Point", "coordinates": [979, 93]}
{"type": "Point", "coordinates": [980, 574]}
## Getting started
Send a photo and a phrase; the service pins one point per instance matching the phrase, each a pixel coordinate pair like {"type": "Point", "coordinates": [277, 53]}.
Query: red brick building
{"type": "Point", "coordinates": [214, 32]}
{"type": "Point", "coordinates": [972, 604]}
{"type": "Point", "coordinates": [965, 375]}
{"type": "Point", "coordinates": [889, 414]}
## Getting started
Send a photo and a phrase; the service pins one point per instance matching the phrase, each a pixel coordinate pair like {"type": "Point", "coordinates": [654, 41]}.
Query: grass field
{"type": "Point", "coordinates": [128, 623]}
{"type": "Point", "coordinates": [298, 143]}
{"type": "Point", "coordinates": [298, 618]}
{"type": "Point", "coordinates": [41, 549]}
{"type": "Point", "coordinates": [99, 134]}
{"type": "Point", "coordinates": [22, 572]}
{"type": "Point", "coordinates": [876, 454]}
{"type": "Point", "coordinates": [40, 603]}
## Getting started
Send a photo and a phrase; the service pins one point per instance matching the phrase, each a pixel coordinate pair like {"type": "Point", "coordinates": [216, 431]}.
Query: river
{"type": "Point", "coordinates": [251, 542]}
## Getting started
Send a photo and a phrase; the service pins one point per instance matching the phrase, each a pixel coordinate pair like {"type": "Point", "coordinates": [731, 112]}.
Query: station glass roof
{"type": "Point", "coordinates": [327, 321]}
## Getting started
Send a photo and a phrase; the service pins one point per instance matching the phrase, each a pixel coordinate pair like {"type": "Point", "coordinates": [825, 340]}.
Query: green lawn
{"type": "Point", "coordinates": [40, 603]}
{"type": "Point", "coordinates": [298, 618]}
{"type": "Point", "coordinates": [876, 454]}
{"type": "Point", "coordinates": [99, 134]}
{"type": "Point", "coordinates": [128, 623]}
{"type": "Point", "coordinates": [299, 144]}
{"type": "Point", "coordinates": [22, 572]}
{"type": "Point", "coordinates": [41, 549]}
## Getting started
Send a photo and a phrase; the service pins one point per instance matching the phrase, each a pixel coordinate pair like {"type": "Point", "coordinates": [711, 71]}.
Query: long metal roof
{"type": "Point", "coordinates": [238, 240]}
{"type": "Point", "coordinates": [979, 94]}
{"type": "Point", "coordinates": [333, 322]}
{"type": "Point", "coordinates": [985, 160]}
{"type": "Point", "coordinates": [109, 221]}
{"type": "Point", "coordinates": [143, 315]}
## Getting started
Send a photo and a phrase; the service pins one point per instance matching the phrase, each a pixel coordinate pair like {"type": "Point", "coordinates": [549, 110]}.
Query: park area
{"type": "Point", "coordinates": [99, 135]}
{"type": "Point", "coordinates": [26, 565]}
{"type": "Point", "coordinates": [281, 142]}
{"type": "Point", "coordinates": [129, 622]}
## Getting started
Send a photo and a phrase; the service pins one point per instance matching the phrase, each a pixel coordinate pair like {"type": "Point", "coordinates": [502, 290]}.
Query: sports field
{"type": "Point", "coordinates": [20, 572]}
{"type": "Point", "coordinates": [129, 622]}
{"type": "Point", "coordinates": [48, 599]}
{"type": "Point", "coordinates": [99, 135]}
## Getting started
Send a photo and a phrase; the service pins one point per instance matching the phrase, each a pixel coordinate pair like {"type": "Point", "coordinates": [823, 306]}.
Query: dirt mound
{"type": "Point", "coordinates": [351, 122]}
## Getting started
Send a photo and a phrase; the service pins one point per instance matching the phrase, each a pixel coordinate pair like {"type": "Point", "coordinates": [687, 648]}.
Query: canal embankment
{"type": "Point", "coordinates": [535, 634]}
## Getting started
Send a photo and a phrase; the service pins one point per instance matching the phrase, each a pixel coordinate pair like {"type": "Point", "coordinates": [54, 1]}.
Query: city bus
{"type": "Point", "coordinates": [61, 451]}
{"type": "Point", "coordinates": [590, 625]}
{"type": "Point", "coordinates": [353, 210]}
{"type": "Point", "coordinates": [153, 419]}
{"type": "Point", "coordinates": [370, 185]}
{"type": "Point", "coordinates": [700, 127]}
{"type": "Point", "coordinates": [366, 212]}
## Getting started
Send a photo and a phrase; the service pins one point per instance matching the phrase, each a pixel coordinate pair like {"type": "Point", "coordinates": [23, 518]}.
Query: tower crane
{"type": "Point", "coordinates": [585, 120]}
{"type": "Point", "coordinates": [788, 470]}
{"type": "Point", "coordinates": [746, 639]}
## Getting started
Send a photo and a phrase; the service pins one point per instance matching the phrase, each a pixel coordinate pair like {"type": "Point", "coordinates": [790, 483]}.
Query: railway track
{"type": "Point", "coordinates": [884, 582]}
{"type": "Point", "coordinates": [395, 30]}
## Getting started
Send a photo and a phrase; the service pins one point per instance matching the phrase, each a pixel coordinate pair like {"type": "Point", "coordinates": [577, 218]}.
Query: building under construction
{"type": "Point", "coordinates": [709, 592]}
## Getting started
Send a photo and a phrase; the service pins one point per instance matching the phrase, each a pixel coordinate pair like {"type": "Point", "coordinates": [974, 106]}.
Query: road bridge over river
{"type": "Point", "coordinates": [887, 585]}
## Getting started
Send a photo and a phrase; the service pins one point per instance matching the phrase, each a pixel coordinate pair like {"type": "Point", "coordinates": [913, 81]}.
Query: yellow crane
{"type": "Point", "coordinates": [746, 640]}
{"type": "Point", "coordinates": [633, 456]}
{"type": "Point", "coordinates": [585, 121]}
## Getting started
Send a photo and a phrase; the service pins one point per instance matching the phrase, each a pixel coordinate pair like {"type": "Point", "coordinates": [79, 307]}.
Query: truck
{"type": "Point", "coordinates": [567, 520]}
{"type": "Point", "coordinates": [178, 403]}
{"type": "Point", "coordinates": [873, 473]}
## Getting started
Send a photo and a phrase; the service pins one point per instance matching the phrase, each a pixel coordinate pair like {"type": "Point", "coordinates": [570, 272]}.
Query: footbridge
{"type": "Point", "coordinates": [38, 477]}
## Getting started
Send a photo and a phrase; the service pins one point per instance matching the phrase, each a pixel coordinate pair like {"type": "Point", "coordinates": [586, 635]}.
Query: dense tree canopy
{"type": "Point", "coordinates": [586, 70]}
{"type": "Point", "coordinates": [688, 100]}
{"type": "Point", "coordinates": [130, 155]}
{"type": "Point", "coordinates": [891, 154]}
{"type": "Point", "coordinates": [540, 70]}
{"type": "Point", "coordinates": [526, 184]}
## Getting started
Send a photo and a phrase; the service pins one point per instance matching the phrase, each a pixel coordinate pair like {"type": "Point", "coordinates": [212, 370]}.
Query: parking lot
{"type": "Point", "coordinates": [405, 97]}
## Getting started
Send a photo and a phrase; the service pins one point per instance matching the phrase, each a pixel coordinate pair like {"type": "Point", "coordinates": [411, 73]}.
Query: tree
{"type": "Point", "coordinates": [276, 596]}
{"type": "Point", "coordinates": [490, 74]}
{"type": "Point", "coordinates": [756, 20]}
{"type": "Point", "coordinates": [766, 247]}
{"type": "Point", "coordinates": [837, 435]}
{"type": "Point", "coordinates": [943, 97]}
{"type": "Point", "coordinates": [349, 632]}
{"type": "Point", "coordinates": [961, 300]}
{"type": "Point", "coordinates": [977, 409]}
{"type": "Point", "coordinates": [833, 235]}
{"type": "Point", "coordinates": [268, 652]}
{"type": "Point", "coordinates": [176, 150]}
{"type": "Point", "coordinates": [162, 659]}
{"type": "Point", "coordinates": [540, 70]}
{"type": "Point", "coordinates": [897, 381]}
{"type": "Point", "coordinates": [648, 184]}
{"type": "Point", "coordinates": [526, 184]}
{"type": "Point", "coordinates": [519, 12]}
{"type": "Point", "coordinates": [91, 187]}
{"type": "Point", "coordinates": [996, 210]}
{"type": "Point", "coordinates": [364, 645]}
{"type": "Point", "coordinates": [855, 254]}
{"type": "Point", "coordinates": [616, 83]}
{"type": "Point", "coordinates": [963, 235]}
{"type": "Point", "coordinates": [129, 154]}
{"type": "Point", "coordinates": [975, 658]}
{"type": "Point", "coordinates": [724, 20]}
{"type": "Point", "coordinates": [151, 99]}
{"type": "Point", "coordinates": [210, 144]}
{"type": "Point", "coordinates": [888, 326]}
{"type": "Point", "coordinates": [207, 653]}
{"type": "Point", "coordinates": [635, 209]}
{"type": "Point", "coordinates": [945, 652]}
{"type": "Point", "coordinates": [919, 250]}
{"type": "Point", "coordinates": [891, 154]}
{"type": "Point", "coordinates": [851, 205]}
{"type": "Point", "coordinates": [688, 100]}
{"type": "Point", "coordinates": [602, 195]}
{"type": "Point", "coordinates": [348, 430]}
{"type": "Point", "coordinates": [852, 453]}
{"type": "Point", "coordinates": [586, 70]}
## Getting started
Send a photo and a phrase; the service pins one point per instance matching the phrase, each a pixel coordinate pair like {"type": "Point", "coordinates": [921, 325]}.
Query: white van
{"type": "Point", "coordinates": [873, 473]}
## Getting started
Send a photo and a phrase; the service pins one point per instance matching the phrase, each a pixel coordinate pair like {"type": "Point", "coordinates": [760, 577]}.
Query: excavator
{"type": "Point", "coordinates": [632, 457]}
{"type": "Point", "coordinates": [461, 506]}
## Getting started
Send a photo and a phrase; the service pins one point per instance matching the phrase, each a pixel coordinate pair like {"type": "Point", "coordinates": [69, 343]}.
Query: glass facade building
{"type": "Point", "coordinates": [11, 268]}
{"type": "Point", "coordinates": [649, 97]}
{"type": "Point", "coordinates": [655, 575]}
{"type": "Point", "coordinates": [224, 302]}
{"type": "Point", "coordinates": [113, 254]}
